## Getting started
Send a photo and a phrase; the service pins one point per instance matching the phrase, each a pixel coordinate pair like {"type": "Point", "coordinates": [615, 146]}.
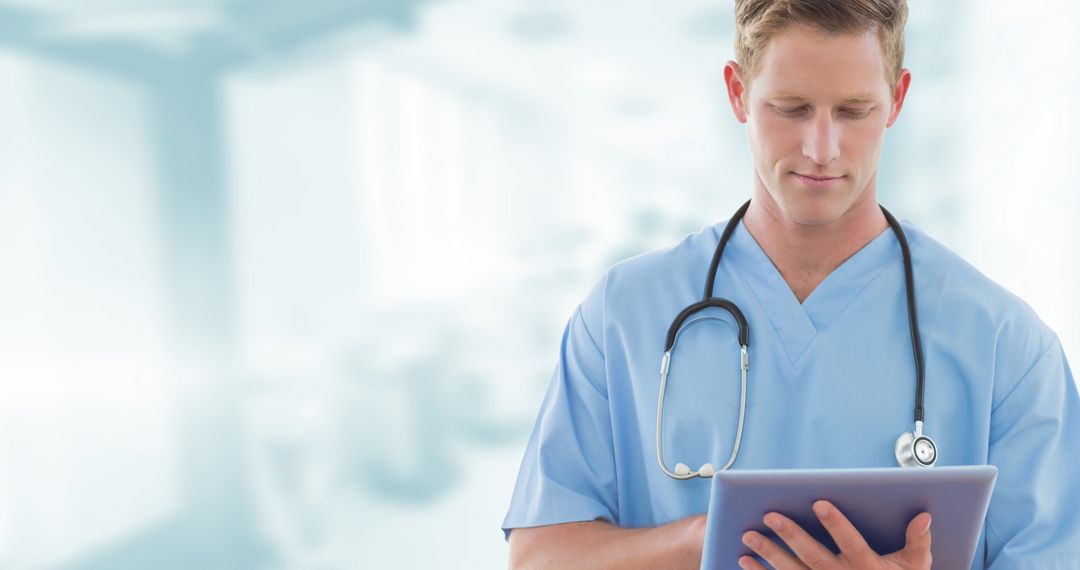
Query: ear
{"type": "Point", "coordinates": [898, 95]}
{"type": "Point", "coordinates": [736, 90]}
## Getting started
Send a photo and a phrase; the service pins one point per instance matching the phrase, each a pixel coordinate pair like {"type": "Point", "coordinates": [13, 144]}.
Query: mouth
{"type": "Point", "coordinates": [818, 181]}
{"type": "Point", "coordinates": [813, 177]}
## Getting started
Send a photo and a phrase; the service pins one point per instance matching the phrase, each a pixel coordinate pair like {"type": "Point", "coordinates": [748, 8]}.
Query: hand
{"type": "Point", "coordinates": [854, 552]}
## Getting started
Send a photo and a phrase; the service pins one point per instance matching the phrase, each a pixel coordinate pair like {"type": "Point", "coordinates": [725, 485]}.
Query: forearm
{"type": "Point", "coordinates": [601, 545]}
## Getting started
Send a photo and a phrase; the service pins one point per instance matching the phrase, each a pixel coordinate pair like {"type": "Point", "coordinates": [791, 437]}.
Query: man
{"type": "Point", "coordinates": [819, 277]}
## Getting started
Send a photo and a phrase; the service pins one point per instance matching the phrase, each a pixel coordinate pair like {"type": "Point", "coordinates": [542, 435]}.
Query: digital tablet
{"type": "Point", "coordinates": [879, 502]}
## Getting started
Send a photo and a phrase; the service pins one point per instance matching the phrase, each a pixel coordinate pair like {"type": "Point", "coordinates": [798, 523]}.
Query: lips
{"type": "Point", "coordinates": [819, 182]}
{"type": "Point", "coordinates": [818, 178]}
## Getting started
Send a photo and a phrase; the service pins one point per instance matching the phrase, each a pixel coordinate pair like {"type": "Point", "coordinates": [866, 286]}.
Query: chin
{"type": "Point", "coordinates": [813, 210]}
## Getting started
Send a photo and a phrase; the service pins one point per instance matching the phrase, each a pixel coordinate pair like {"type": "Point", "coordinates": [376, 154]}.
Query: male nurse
{"type": "Point", "coordinates": [818, 274]}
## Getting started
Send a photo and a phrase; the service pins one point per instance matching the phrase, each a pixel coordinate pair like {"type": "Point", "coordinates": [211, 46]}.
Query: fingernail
{"type": "Point", "coordinates": [750, 540]}
{"type": "Point", "coordinates": [821, 509]}
{"type": "Point", "coordinates": [743, 563]}
{"type": "Point", "coordinates": [774, 522]}
{"type": "Point", "coordinates": [928, 521]}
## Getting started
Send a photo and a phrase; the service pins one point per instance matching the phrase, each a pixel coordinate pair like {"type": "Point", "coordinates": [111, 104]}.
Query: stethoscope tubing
{"type": "Point", "coordinates": [907, 452]}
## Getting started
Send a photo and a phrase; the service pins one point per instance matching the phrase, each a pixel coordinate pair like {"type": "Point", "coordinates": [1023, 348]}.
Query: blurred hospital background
{"type": "Point", "coordinates": [282, 283]}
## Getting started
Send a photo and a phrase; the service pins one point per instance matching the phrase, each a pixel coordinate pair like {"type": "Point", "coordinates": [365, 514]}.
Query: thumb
{"type": "Point", "coordinates": [917, 548]}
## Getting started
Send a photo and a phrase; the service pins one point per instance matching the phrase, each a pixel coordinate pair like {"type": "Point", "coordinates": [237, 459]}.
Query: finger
{"type": "Point", "coordinates": [809, 550]}
{"type": "Point", "coordinates": [772, 553]}
{"type": "Point", "coordinates": [852, 545]}
{"type": "Point", "coordinates": [750, 563]}
{"type": "Point", "coordinates": [917, 547]}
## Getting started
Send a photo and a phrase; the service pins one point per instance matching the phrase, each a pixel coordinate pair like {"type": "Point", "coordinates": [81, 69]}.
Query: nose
{"type": "Point", "coordinates": [821, 141]}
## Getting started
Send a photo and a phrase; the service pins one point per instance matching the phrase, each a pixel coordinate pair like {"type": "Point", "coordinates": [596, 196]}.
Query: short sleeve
{"type": "Point", "coordinates": [1034, 515]}
{"type": "Point", "coordinates": [568, 472]}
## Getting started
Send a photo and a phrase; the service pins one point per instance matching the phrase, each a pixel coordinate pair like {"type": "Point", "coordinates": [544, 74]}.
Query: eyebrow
{"type": "Point", "coordinates": [862, 98]}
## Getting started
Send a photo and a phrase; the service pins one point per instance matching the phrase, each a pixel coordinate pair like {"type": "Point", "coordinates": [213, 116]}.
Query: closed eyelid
{"type": "Point", "coordinates": [803, 108]}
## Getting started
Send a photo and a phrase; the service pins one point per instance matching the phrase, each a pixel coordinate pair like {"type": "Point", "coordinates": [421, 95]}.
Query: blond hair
{"type": "Point", "coordinates": [758, 21]}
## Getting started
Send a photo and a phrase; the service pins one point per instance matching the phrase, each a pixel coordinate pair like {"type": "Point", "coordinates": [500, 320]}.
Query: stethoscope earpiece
{"type": "Point", "coordinates": [683, 471]}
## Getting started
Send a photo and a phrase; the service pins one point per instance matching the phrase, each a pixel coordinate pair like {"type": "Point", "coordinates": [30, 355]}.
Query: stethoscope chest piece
{"type": "Point", "coordinates": [916, 449]}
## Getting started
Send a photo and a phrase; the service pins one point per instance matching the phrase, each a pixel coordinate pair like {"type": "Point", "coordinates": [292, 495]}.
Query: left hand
{"type": "Point", "coordinates": [854, 552]}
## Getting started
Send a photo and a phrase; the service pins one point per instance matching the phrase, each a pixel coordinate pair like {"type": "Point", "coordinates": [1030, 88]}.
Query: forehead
{"type": "Point", "coordinates": [807, 63]}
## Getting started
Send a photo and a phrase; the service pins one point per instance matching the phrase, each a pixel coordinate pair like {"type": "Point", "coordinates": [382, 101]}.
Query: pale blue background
{"type": "Point", "coordinates": [282, 283]}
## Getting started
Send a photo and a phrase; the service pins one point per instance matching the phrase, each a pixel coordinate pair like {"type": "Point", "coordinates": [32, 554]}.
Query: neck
{"type": "Point", "coordinates": [806, 254]}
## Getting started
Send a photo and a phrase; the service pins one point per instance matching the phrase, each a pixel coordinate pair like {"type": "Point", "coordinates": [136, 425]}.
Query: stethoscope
{"type": "Point", "coordinates": [913, 449]}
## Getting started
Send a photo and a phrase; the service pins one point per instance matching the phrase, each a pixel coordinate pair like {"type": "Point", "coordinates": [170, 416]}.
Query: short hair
{"type": "Point", "coordinates": [758, 21]}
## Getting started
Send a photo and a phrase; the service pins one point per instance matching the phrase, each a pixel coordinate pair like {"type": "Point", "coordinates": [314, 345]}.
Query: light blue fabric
{"type": "Point", "coordinates": [831, 385]}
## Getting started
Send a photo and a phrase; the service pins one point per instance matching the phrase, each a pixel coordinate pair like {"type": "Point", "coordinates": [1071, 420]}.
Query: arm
{"type": "Point", "coordinates": [1033, 520]}
{"type": "Point", "coordinates": [601, 545]}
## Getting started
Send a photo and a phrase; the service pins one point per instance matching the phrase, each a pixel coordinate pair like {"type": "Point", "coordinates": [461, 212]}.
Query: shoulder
{"type": "Point", "coordinates": [661, 267]}
{"type": "Point", "coordinates": [656, 274]}
{"type": "Point", "coordinates": [966, 304]}
{"type": "Point", "coordinates": [966, 290]}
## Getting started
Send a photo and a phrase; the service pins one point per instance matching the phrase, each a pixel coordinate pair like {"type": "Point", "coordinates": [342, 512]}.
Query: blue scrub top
{"type": "Point", "coordinates": [831, 385]}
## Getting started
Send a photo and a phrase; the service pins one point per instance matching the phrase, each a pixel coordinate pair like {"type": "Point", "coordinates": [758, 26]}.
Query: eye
{"type": "Point", "coordinates": [855, 113]}
{"type": "Point", "coordinates": [791, 111]}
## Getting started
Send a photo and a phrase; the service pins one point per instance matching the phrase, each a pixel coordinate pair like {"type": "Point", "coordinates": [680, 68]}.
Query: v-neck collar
{"type": "Point", "coordinates": [798, 324]}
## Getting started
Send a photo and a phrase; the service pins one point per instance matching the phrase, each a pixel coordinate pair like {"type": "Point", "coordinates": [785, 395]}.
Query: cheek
{"type": "Point", "coordinates": [863, 143]}
{"type": "Point", "coordinates": [773, 138]}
